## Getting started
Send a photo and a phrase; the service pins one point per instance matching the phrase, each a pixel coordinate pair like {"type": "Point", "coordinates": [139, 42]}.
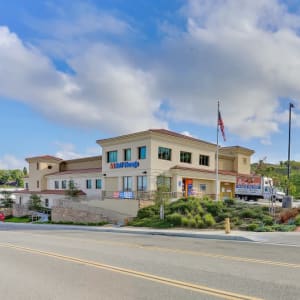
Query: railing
{"type": "Point", "coordinates": [138, 195]}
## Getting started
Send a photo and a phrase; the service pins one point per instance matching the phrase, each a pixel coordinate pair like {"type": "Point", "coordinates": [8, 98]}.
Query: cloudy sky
{"type": "Point", "coordinates": [72, 72]}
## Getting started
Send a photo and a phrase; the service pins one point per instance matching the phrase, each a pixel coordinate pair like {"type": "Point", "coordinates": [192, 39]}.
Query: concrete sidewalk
{"type": "Point", "coordinates": [279, 238]}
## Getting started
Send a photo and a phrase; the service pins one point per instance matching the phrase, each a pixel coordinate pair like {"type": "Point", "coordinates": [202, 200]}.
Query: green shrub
{"type": "Point", "coordinates": [213, 207]}
{"type": "Point", "coordinates": [184, 221]}
{"type": "Point", "coordinates": [180, 206]}
{"type": "Point", "coordinates": [192, 223]}
{"type": "Point", "coordinates": [209, 220]}
{"type": "Point", "coordinates": [248, 213]}
{"type": "Point", "coordinates": [174, 219]}
{"type": "Point", "coordinates": [263, 228]}
{"type": "Point", "coordinates": [297, 220]}
{"type": "Point", "coordinates": [199, 221]}
{"type": "Point", "coordinates": [148, 212]}
{"type": "Point", "coordinates": [252, 227]}
{"type": "Point", "coordinates": [229, 202]}
{"type": "Point", "coordinates": [268, 220]}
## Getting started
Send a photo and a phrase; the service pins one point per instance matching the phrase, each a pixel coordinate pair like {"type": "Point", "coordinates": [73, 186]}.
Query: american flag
{"type": "Point", "coordinates": [221, 125]}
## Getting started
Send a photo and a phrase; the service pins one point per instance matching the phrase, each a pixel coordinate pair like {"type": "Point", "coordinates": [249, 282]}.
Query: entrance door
{"type": "Point", "coordinates": [227, 190]}
{"type": "Point", "coordinates": [187, 187]}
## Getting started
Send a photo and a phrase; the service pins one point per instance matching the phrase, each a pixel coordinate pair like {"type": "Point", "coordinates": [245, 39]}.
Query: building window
{"type": "Point", "coordinates": [202, 187]}
{"type": "Point", "coordinates": [185, 157]}
{"type": "Point", "coordinates": [98, 184]}
{"type": "Point", "coordinates": [26, 186]}
{"type": "Point", "coordinates": [164, 153]}
{"type": "Point", "coordinates": [112, 156]}
{"type": "Point", "coordinates": [37, 165]}
{"type": "Point", "coordinates": [142, 183]}
{"type": "Point", "coordinates": [245, 160]}
{"type": "Point", "coordinates": [142, 152]}
{"type": "Point", "coordinates": [56, 184]}
{"type": "Point", "coordinates": [88, 183]}
{"type": "Point", "coordinates": [204, 160]}
{"type": "Point", "coordinates": [165, 182]}
{"type": "Point", "coordinates": [38, 184]}
{"type": "Point", "coordinates": [64, 184]}
{"type": "Point", "coordinates": [127, 183]}
{"type": "Point", "coordinates": [46, 202]}
{"type": "Point", "coordinates": [127, 154]}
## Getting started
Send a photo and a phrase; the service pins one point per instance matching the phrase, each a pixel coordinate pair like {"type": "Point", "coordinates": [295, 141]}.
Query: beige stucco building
{"type": "Point", "coordinates": [132, 166]}
{"type": "Point", "coordinates": [137, 162]}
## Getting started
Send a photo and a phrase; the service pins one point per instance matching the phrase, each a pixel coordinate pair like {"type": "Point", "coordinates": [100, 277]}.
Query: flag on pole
{"type": "Point", "coordinates": [221, 125]}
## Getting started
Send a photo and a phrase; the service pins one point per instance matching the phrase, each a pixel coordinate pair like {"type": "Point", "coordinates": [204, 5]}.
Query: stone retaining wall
{"type": "Point", "coordinates": [6, 211]}
{"type": "Point", "coordinates": [67, 214]}
{"type": "Point", "coordinates": [20, 210]}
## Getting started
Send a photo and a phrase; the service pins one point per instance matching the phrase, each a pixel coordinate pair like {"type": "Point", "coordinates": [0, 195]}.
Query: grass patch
{"type": "Point", "coordinates": [25, 219]}
{"type": "Point", "coordinates": [76, 223]}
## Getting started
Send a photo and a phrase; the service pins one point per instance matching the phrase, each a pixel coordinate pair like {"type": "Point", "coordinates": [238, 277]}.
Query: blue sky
{"type": "Point", "coordinates": [73, 72]}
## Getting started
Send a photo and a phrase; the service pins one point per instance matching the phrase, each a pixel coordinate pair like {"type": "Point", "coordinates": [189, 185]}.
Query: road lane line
{"type": "Point", "coordinates": [190, 252]}
{"type": "Point", "coordinates": [163, 280]}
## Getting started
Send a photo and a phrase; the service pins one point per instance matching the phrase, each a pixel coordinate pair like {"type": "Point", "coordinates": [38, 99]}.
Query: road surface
{"type": "Point", "coordinates": [75, 264]}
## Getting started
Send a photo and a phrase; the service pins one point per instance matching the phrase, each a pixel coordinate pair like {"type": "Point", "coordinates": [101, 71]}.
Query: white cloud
{"type": "Point", "coordinates": [107, 92]}
{"type": "Point", "coordinates": [68, 151]}
{"type": "Point", "coordinates": [244, 53]}
{"type": "Point", "coordinates": [10, 162]}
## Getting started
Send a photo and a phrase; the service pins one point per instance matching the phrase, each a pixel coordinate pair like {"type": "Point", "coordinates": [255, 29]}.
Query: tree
{"type": "Point", "coordinates": [72, 192]}
{"type": "Point", "coordinates": [7, 200]}
{"type": "Point", "coordinates": [162, 194]}
{"type": "Point", "coordinates": [25, 172]}
{"type": "Point", "coordinates": [35, 202]}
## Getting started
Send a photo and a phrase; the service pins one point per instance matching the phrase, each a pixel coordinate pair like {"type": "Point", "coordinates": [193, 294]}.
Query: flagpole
{"type": "Point", "coordinates": [217, 155]}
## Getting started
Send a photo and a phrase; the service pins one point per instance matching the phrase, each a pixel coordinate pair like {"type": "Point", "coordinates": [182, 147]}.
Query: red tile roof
{"type": "Point", "coordinates": [161, 131]}
{"type": "Point", "coordinates": [44, 157]}
{"type": "Point", "coordinates": [77, 171]}
{"type": "Point", "coordinates": [179, 135]}
{"type": "Point", "coordinates": [232, 173]}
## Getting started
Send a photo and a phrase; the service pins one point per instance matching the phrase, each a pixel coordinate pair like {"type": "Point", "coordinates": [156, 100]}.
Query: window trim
{"type": "Point", "coordinates": [164, 153]}
{"type": "Point", "coordinates": [183, 153]}
{"type": "Point", "coordinates": [108, 158]}
{"type": "Point", "coordinates": [88, 184]}
{"type": "Point", "coordinates": [125, 154]}
{"type": "Point", "coordinates": [204, 157]}
{"type": "Point", "coordinates": [96, 184]}
{"type": "Point", "coordinates": [139, 152]}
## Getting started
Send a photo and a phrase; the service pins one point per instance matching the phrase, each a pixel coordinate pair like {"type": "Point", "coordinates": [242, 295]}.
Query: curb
{"type": "Point", "coordinates": [170, 233]}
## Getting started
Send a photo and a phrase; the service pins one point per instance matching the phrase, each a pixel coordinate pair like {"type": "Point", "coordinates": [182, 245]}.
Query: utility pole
{"type": "Point", "coordinates": [289, 151]}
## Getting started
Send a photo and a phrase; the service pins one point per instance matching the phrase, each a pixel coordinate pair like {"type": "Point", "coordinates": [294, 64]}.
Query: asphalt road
{"type": "Point", "coordinates": [75, 264]}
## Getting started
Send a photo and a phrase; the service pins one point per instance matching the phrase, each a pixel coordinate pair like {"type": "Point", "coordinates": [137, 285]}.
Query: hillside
{"type": "Point", "coordinates": [279, 174]}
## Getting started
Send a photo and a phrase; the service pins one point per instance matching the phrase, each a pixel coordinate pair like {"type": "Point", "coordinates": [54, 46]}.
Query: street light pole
{"type": "Point", "coordinates": [289, 150]}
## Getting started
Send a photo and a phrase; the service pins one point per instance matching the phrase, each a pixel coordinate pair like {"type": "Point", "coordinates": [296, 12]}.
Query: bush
{"type": "Point", "coordinates": [184, 221]}
{"type": "Point", "coordinates": [252, 227]}
{"type": "Point", "coordinates": [288, 214]}
{"type": "Point", "coordinates": [268, 220]}
{"type": "Point", "coordinates": [148, 212]}
{"type": "Point", "coordinates": [229, 202]}
{"type": "Point", "coordinates": [174, 219]}
{"type": "Point", "coordinates": [213, 207]}
{"type": "Point", "coordinates": [248, 213]}
{"type": "Point", "coordinates": [297, 220]}
{"type": "Point", "coordinates": [199, 221]}
{"type": "Point", "coordinates": [209, 220]}
{"type": "Point", "coordinates": [179, 206]}
{"type": "Point", "coordinates": [192, 223]}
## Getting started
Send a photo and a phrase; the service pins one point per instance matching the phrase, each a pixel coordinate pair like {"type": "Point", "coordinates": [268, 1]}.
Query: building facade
{"type": "Point", "coordinates": [133, 166]}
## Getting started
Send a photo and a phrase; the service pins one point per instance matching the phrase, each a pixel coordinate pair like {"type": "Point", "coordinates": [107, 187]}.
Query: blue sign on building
{"type": "Point", "coordinates": [125, 164]}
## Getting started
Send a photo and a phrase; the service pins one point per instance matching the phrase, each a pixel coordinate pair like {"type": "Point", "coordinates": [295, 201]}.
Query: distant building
{"type": "Point", "coordinates": [133, 165]}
